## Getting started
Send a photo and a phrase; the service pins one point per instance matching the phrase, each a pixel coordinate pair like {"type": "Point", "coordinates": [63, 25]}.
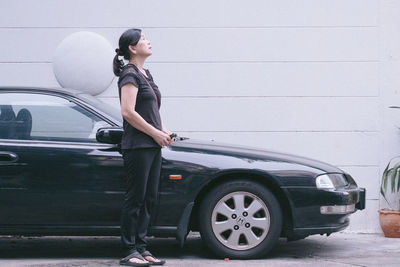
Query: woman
{"type": "Point", "coordinates": [144, 135]}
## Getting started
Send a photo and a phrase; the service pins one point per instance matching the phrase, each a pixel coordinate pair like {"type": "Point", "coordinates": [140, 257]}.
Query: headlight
{"type": "Point", "coordinates": [331, 181]}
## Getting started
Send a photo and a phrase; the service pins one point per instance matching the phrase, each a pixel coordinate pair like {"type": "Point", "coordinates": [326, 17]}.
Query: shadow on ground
{"type": "Point", "coordinates": [13, 247]}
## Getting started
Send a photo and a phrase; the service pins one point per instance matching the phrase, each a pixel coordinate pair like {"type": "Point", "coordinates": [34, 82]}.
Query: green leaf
{"type": "Point", "coordinates": [384, 180]}
{"type": "Point", "coordinates": [398, 185]}
{"type": "Point", "coordinates": [395, 170]}
{"type": "Point", "coordinates": [382, 192]}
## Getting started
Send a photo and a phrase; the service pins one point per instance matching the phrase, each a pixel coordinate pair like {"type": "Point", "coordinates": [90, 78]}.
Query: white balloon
{"type": "Point", "coordinates": [83, 61]}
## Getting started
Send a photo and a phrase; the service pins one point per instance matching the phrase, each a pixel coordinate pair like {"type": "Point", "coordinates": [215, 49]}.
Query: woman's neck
{"type": "Point", "coordinates": [138, 62]}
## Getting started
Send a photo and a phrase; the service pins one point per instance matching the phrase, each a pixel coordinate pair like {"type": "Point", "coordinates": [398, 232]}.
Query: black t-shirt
{"type": "Point", "coordinates": [148, 102]}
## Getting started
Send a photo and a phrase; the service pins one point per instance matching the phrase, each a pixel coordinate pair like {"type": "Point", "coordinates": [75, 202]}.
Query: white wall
{"type": "Point", "coordinates": [310, 77]}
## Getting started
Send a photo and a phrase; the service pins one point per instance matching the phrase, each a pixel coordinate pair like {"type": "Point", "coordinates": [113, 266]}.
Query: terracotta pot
{"type": "Point", "coordinates": [390, 222]}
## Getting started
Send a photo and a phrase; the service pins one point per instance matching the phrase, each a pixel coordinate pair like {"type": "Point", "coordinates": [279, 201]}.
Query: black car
{"type": "Point", "coordinates": [61, 173]}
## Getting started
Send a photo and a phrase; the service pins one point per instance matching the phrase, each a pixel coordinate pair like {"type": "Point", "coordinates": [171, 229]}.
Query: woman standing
{"type": "Point", "coordinates": [144, 135]}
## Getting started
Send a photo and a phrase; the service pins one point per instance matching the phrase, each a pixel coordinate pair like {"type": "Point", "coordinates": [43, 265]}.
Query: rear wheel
{"type": "Point", "coordinates": [240, 219]}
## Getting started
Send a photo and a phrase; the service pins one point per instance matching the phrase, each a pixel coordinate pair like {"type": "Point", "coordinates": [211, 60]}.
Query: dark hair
{"type": "Point", "coordinates": [129, 37]}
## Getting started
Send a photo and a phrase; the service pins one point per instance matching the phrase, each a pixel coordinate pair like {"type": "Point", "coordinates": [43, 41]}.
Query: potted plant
{"type": "Point", "coordinates": [389, 219]}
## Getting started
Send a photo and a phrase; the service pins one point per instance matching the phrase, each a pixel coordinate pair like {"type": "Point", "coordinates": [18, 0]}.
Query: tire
{"type": "Point", "coordinates": [240, 219]}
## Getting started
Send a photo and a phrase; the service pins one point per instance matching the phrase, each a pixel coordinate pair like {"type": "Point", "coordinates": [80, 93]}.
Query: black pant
{"type": "Point", "coordinates": [143, 168]}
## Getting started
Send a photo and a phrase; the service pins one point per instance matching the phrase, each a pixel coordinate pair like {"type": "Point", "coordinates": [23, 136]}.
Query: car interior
{"type": "Point", "coordinates": [15, 126]}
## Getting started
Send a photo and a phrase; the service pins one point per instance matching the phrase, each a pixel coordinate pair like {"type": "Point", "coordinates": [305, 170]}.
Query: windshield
{"type": "Point", "coordinates": [110, 110]}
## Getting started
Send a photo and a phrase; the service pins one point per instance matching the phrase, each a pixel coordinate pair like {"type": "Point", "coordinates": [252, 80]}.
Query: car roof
{"type": "Point", "coordinates": [67, 91]}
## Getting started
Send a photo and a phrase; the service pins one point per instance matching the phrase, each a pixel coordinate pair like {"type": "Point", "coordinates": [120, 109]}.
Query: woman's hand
{"type": "Point", "coordinates": [162, 138]}
{"type": "Point", "coordinates": [169, 133]}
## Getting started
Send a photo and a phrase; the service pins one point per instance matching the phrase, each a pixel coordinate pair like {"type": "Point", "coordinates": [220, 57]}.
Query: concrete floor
{"type": "Point", "coordinates": [339, 249]}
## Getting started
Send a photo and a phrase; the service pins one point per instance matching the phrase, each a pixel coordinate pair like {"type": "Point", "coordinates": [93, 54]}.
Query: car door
{"type": "Point", "coordinates": [52, 169]}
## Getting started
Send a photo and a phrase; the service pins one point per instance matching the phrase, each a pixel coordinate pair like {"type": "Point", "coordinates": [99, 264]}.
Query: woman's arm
{"type": "Point", "coordinates": [128, 101]}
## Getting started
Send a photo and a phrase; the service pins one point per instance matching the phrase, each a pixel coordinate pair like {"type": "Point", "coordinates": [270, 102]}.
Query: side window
{"type": "Point", "coordinates": [44, 117]}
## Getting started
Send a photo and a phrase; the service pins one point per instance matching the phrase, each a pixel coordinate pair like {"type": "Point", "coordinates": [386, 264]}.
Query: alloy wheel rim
{"type": "Point", "coordinates": [240, 220]}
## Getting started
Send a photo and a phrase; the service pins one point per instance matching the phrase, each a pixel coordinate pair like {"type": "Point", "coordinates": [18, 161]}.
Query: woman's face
{"type": "Point", "coordinates": [143, 47]}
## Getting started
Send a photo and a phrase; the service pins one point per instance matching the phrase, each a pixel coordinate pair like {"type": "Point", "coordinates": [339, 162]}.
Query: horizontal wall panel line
{"type": "Point", "coordinates": [266, 61]}
{"type": "Point", "coordinates": [194, 45]}
{"type": "Point", "coordinates": [30, 62]}
{"type": "Point", "coordinates": [228, 80]}
{"type": "Point", "coordinates": [366, 166]}
{"type": "Point", "coordinates": [265, 131]}
{"type": "Point", "coordinates": [257, 96]}
{"type": "Point", "coordinates": [222, 28]}
{"type": "Point", "coordinates": [270, 114]}
{"type": "Point", "coordinates": [222, 62]}
{"type": "Point", "coordinates": [270, 61]}
{"type": "Point", "coordinates": [177, 13]}
{"type": "Point", "coordinates": [272, 96]}
{"type": "Point", "coordinates": [26, 62]}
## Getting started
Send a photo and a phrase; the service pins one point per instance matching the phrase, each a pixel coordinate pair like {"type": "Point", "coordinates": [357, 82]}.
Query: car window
{"type": "Point", "coordinates": [111, 110]}
{"type": "Point", "coordinates": [45, 117]}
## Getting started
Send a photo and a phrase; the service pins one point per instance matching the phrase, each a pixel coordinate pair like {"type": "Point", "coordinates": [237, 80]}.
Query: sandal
{"type": "Point", "coordinates": [147, 253]}
{"type": "Point", "coordinates": [135, 254]}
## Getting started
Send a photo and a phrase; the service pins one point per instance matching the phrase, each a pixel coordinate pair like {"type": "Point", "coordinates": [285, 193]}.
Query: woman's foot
{"type": "Point", "coordinates": [152, 259]}
{"type": "Point", "coordinates": [134, 259]}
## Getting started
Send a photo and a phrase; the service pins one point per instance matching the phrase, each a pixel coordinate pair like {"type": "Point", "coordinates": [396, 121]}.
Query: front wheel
{"type": "Point", "coordinates": [240, 219]}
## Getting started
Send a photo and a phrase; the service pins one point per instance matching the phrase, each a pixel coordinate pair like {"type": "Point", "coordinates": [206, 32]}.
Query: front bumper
{"type": "Point", "coordinates": [306, 203]}
{"type": "Point", "coordinates": [345, 209]}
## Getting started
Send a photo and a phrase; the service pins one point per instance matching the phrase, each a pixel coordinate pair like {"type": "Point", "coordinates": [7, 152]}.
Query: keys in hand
{"type": "Point", "coordinates": [173, 136]}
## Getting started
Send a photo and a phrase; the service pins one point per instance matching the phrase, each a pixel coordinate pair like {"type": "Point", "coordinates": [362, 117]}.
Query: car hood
{"type": "Point", "coordinates": [251, 152]}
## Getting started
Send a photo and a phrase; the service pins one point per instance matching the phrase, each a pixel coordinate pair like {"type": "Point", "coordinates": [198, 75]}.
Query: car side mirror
{"type": "Point", "coordinates": [109, 135]}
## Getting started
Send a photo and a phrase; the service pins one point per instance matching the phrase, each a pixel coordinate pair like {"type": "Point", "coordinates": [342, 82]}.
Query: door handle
{"type": "Point", "coordinates": [8, 157]}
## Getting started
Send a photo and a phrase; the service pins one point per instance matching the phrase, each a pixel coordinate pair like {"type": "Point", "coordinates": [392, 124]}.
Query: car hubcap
{"type": "Point", "coordinates": [240, 220]}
